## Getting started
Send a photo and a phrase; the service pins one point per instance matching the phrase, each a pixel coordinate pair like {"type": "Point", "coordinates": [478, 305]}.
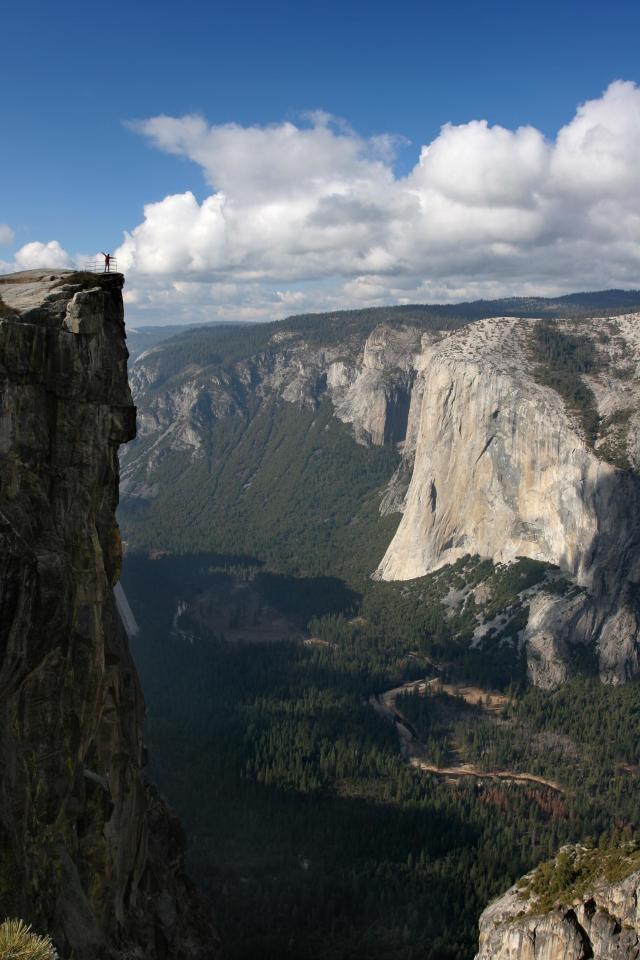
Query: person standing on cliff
{"type": "Point", "coordinates": [107, 260]}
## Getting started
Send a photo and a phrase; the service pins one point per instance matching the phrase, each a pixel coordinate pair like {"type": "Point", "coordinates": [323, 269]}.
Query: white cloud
{"type": "Point", "coordinates": [6, 234]}
{"type": "Point", "coordinates": [478, 166]}
{"type": "Point", "coordinates": [36, 254]}
{"type": "Point", "coordinates": [312, 216]}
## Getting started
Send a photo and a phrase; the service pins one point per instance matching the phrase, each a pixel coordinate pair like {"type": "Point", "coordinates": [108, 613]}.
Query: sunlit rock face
{"type": "Point", "coordinates": [376, 399]}
{"type": "Point", "coordinates": [501, 469]}
{"type": "Point", "coordinates": [369, 384]}
{"type": "Point", "coordinates": [599, 923]}
{"type": "Point", "coordinates": [88, 851]}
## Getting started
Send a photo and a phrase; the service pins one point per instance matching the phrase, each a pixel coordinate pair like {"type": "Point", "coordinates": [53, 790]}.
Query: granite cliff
{"type": "Point", "coordinates": [581, 906]}
{"type": "Point", "coordinates": [501, 467]}
{"type": "Point", "coordinates": [88, 850]}
{"type": "Point", "coordinates": [367, 379]}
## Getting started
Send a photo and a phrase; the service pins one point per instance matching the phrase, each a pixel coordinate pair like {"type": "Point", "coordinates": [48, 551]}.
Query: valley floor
{"type": "Point", "coordinates": [488, 703]}
{"type": "Point", "coordinates": [328, 822]}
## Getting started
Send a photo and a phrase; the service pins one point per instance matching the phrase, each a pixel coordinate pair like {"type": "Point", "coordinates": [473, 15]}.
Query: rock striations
{"type": "Point", "coordinates": [595, 916]}
{"type": "Point", "coordinates": [501, 468]}
{"type": "Point", "coordinates": [88, 851]}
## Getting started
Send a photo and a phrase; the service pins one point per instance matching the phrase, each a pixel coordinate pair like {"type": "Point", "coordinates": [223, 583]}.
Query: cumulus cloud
{"type": "Point", "coordinates": [36, 254]}
{"type": "Point", "coordinates": [6, 234]}
{"type": "Point", "coordinates": [313, 216]}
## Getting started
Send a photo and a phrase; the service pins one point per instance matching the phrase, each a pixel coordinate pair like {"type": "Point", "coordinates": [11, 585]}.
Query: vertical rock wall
{"type": "Point", "coordinates": [501, 469]}
{"type": "Point", "coordinates": [88, 852]}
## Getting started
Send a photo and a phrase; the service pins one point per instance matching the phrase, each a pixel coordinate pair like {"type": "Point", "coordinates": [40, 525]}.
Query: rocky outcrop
{"type": "Point", "coordinates": [502, 469]}
{"type": "Point", "coordinates": [374, 395]}
{"type": "Point", "coordinates": [88, 851]}
{"type": "Point", "coordinates": [593, 918]}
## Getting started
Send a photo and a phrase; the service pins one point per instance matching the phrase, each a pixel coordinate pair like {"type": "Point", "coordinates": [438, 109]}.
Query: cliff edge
{"type": "Point", "coordinates": [581, 906]}
{"type": "Point", "coordinates": [88, 851]}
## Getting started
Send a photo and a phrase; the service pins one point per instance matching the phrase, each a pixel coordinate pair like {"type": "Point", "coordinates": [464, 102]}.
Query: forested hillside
{"type": "Point", "coordinates": [286, 485]}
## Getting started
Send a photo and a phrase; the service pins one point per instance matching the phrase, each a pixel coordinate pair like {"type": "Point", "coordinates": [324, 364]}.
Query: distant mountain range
{"type": "Point", "coordinates": [141, 338]}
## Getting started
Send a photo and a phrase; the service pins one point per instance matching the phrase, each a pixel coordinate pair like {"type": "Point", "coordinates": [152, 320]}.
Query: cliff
{"type": "Point", "coordinates": [582, 906]}
{"type": "Point", "coordinates": [88, 851]}
{"type": "Point", "coordinates": [500, 466]}
{"type": "Point", "coordinates": [367, 379]}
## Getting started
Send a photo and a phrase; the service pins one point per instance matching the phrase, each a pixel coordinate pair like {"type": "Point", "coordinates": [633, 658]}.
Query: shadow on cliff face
{"type": "Point", "coordinates": [606, 620]}
{"type": "Point", "coordinates": [615, 550]}
{"type": "Point", "coordinates": [615, 558]}
{"type": "Point", "coordinates": [398, 404]}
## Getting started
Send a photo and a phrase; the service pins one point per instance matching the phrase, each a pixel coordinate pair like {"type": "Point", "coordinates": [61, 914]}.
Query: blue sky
{"type": "Point", "coordinates": [73, 170]}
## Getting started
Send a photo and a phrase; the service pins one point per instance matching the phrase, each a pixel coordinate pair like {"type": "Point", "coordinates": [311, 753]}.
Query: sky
{"type": "Point", "coordinates": [246, 161]}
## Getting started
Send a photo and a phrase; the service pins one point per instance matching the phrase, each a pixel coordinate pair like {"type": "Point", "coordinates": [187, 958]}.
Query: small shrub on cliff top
{"type": "Point", "coordinates": [573, 873]}
{"type": "Point", "coordinates": [18, 942]}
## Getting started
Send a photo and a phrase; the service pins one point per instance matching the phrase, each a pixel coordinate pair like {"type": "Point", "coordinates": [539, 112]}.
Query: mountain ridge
{"type": "Point", "coordinates": [142, 338]}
